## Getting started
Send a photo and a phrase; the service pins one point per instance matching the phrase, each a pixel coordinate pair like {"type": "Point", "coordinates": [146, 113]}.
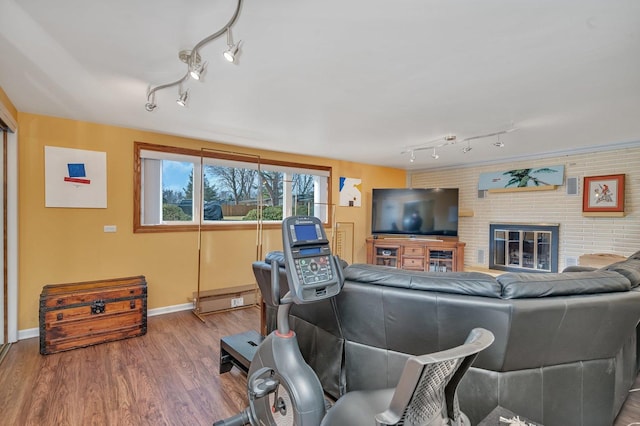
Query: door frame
{"type": "Point", "coordinates": [9, 208]}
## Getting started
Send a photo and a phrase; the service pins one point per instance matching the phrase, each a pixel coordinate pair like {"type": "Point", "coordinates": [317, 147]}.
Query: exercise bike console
{"type": "Point", "coordinates": [312, 272]}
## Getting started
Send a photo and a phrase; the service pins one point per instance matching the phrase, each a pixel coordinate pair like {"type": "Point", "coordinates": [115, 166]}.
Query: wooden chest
{"type": "Point", "coordinates": [87, 313]}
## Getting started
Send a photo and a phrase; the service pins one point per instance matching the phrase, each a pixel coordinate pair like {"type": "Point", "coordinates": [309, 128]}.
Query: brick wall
{"type": "Point", "coordinates": [578, 234]}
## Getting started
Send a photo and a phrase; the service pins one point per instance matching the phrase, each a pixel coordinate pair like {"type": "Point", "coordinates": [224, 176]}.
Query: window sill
{"type": "Point", "coordinates": [221, 226]}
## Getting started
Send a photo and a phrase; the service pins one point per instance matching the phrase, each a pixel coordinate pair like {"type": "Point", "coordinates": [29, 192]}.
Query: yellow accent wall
{"type": "Point", "coordinates": [60, 245]}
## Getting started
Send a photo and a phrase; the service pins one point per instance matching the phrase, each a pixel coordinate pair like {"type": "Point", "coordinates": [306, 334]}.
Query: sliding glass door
{"type": "Point", "coordinates": [4, 288]}
{"type": "Point", "coordinates": [9, 232]}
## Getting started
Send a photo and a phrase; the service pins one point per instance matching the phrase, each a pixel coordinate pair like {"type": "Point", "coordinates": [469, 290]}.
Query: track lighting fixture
{"type": "Point", "coordinates": [452, 139]}
{"type": "Point", "coordinates": [183, 97]}
{"type": "Point", "coordinates": [195, 66]}
{"type": "Point", "coordinates": [232, 49]}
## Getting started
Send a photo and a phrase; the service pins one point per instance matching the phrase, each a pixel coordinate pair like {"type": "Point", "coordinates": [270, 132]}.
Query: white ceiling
{"type": "Point", "coordinates": [359, 80]}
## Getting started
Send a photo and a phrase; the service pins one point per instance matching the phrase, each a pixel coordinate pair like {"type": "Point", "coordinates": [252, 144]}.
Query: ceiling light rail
{"type": "Point", "coordinates": [450, 140]}
{"type": "Point", "coordinates": [438, 143]}
{"type": "Point", "coordinates": [195, 66]}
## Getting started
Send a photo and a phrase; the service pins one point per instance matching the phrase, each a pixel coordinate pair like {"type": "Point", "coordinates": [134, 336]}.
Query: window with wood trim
{"type": "Point", "coordinates": [183, 189]}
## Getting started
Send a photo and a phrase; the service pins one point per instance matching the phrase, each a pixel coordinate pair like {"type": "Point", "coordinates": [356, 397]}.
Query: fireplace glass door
{"type": "Point", "coordinates": [524, 247]}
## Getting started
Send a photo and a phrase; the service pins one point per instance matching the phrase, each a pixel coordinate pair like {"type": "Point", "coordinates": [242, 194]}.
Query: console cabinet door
{"type": "Point", "coordinates": [386, 255]}
{"type": "Point", "coordinates": [442, 260]}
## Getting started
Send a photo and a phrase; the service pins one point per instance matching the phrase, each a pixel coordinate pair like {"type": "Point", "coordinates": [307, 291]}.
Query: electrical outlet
{"type": "Point", "coordinates": [237, 301]}
{"type": "Point", "coordinates": [110, 228]}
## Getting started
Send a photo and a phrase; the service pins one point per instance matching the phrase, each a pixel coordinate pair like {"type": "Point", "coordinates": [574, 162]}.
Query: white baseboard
{"type": "Point", "coordinates": [28, 333]}
{"type": "Point", "coordinates": [169, 309]}
{"type": "Point", "coordinates": [35, 332]}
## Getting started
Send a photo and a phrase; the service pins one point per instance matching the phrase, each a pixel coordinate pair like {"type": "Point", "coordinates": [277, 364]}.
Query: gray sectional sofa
{"type": "Point", "coordinates": [565, 350]}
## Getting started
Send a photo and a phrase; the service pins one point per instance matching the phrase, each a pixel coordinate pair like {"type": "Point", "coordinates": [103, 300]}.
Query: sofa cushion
{"type": "Point", "coordinates": [522, 285]}
{"type": "Point", "coordinates": [469, 283]}
{"type": "Point", "coordinates": [629, 268]}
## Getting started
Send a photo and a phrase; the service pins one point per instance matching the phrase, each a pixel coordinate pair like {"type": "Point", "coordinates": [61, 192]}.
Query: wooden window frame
{"type": "Point", "coordinates": [138, 227]}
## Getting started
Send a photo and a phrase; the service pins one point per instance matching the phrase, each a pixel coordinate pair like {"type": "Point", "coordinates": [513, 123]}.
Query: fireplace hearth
{"type": "Point", "coordinates": [517, 247]}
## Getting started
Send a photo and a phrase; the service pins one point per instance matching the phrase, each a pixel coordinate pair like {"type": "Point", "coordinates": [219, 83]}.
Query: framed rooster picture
{"type": "Point", "coordinates": [603, 194]}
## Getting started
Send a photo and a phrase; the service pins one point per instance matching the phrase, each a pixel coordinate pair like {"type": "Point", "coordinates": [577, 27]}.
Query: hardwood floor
{"type": "Point", "coordinates": [167, 377]}
{"type": "Point", "coordinates": [629, 415]}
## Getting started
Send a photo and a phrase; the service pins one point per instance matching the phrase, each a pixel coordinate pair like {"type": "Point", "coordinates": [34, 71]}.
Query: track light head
{"type": "Point", "coordinates": [413, 157]}
{"type": "Point", "coordinates": [151, 101]}
{"type": "Point", "coordinates": [231, 52]}
{"type": "Point", "coordinates": [232, 48]}
{"type": "Point", "coordinates": [183, 97]}
{"type": "Point", "coordinates": [197, 71]}
{"type": "Point", "coordinates": [194, 62]}
{"type": "Point", "coordinates": [434, 155]}
{"type": "Point", "coordinates": [466, 149]}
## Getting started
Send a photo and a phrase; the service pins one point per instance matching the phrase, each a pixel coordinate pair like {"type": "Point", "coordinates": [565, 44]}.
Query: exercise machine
{"type": "Point", "coordinates": [282, 388]}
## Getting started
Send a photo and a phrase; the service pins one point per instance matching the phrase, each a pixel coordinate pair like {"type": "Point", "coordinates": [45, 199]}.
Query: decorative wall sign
{"type": "Point", "coordinates": [75, 178]}
{"type": "Point", "coordinates": [540, 178]}
{"type": "Point", "coordinates": [603, 194]}
{"type": "Point", "coordinates": [350, 192]}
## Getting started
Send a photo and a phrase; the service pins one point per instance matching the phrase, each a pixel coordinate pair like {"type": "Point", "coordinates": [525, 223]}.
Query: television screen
{"type": "Point", "coordinates": [417, 211]}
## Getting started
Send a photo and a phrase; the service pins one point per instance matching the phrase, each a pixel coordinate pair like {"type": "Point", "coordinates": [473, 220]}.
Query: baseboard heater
{"type": "Point", "coordinates": [223, 299]}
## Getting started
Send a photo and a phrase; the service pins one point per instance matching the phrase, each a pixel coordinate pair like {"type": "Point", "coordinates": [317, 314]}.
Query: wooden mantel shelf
{"type": "Point", "coordinates": [603, 214]}
{"type": "Point", "coordinates": [465, 213]}
{"type": "Point", "coordinates": [524, 188]}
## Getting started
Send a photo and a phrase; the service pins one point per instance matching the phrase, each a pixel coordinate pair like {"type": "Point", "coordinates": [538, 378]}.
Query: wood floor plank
{"type": "Point", "coordinates": [167, 377]}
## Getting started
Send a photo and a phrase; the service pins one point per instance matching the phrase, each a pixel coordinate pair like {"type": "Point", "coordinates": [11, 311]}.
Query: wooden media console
{"type": "Point", "coordinates": [417, 254]}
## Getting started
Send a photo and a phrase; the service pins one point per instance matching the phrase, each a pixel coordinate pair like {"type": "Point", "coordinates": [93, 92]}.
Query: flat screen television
{"type": "Point", "coordinates": [416, 211]}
